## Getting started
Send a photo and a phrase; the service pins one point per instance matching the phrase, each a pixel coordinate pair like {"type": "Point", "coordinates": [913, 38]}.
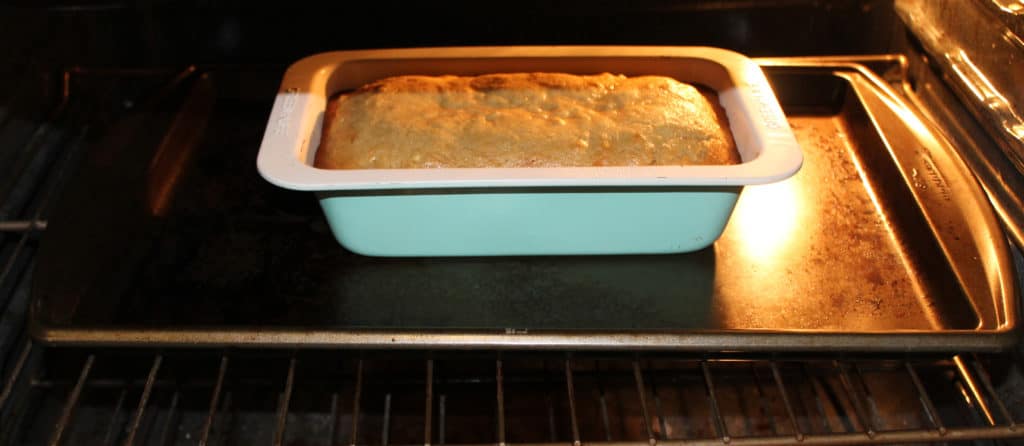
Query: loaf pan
{"type": "Point", "coordinates": [527, 211]}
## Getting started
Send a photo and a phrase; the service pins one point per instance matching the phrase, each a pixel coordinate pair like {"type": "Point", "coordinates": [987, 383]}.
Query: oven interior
{"type": "Point", "coordinates": [204, 320]}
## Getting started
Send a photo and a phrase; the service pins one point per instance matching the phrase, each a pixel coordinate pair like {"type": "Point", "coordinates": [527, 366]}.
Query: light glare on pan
{"type": "Point", "coordinates": [765, 220]}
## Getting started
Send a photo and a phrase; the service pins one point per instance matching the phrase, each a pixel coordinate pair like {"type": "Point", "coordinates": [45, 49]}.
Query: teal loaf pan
{"type": "Point", "coordinates": [530, 223]}
{"type": "Point", "coordinates": [528, 211]}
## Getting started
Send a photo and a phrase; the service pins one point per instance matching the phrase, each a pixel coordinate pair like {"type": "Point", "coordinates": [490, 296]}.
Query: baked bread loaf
{"type": "Point", "coordinates": [524, 120]}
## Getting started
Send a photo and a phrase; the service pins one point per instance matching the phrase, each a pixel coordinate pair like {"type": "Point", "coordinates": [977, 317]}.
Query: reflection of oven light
{"type": "Point", "coordinates": [765, 220]}
{"type": "Point", "coordinates": [1010, 6]}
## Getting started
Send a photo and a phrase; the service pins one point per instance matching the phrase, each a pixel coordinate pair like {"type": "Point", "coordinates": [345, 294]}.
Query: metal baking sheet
{"type": "Point", "coordinates": [882, 242]}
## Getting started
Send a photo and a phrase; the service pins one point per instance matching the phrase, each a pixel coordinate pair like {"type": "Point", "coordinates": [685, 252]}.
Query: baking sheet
{"type": "Point", "coordinates": [881, 242]}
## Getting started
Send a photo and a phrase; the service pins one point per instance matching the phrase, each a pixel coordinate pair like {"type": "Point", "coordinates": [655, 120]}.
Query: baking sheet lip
{"type": "Point", "coordinates": [910, 341]}
{"type": "Point", "coordinates": [778, 155]}
{"type": "Point", "coordinates": [317, 60]}
{"type": "Point", "coordinates": [1008, 297]}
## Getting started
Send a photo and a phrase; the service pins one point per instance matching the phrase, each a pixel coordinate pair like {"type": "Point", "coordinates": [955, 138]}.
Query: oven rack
{"type": "Point", "coordinates": [356, 398]}
{"type": "Point", "coordinates": [152, 396]}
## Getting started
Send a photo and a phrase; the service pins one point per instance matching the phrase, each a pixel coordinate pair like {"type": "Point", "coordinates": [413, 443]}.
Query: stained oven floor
{"type": "Point", "coordinates": [168, 235]}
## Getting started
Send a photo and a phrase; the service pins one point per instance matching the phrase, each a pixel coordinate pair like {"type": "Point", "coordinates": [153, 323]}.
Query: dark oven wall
{"type": "Point", "coordinates": [60, 34]}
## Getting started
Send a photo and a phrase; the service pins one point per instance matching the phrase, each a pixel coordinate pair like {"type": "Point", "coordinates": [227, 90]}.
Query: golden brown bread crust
{"type": "Point", "coordinates": [524, 120]}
